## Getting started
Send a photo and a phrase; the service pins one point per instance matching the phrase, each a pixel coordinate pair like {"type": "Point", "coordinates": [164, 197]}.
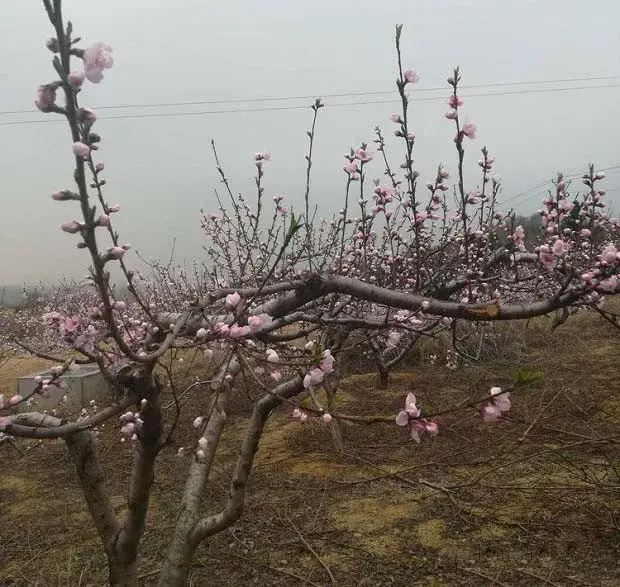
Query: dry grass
{"type": "Point", "coordinates": [508, 504]}
{"type": "Point", "coordinates": [15, 367]}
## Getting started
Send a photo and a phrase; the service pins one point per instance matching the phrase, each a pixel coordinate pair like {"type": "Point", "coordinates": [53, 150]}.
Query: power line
{"type": "Point", "coordinates": [612, 167]}
{"type": "Point", "coordinates": [341, 95]}
{"type": "Point", "coordinates": [304, 107]}
{"type": "Point", "coordinates": [571, 176]}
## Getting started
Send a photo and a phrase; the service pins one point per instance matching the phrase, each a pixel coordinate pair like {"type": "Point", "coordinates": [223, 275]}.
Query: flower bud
{"type": "Point", "coordinates": [76, 79]}
{"type": "Point", "coordinates": [52, 44]}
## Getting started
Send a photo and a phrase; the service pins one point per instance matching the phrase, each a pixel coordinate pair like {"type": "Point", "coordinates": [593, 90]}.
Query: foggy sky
{"type": "Point", "coordinates": [161, 171]}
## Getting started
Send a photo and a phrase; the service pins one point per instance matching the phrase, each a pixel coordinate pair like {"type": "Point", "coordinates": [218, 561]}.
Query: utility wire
{"type": "Point", "coordinates": [341, 95]}
{"type": "Point", "coordinates": [304, 107]}
{"type": "Point", "coordinates": [545, 182]}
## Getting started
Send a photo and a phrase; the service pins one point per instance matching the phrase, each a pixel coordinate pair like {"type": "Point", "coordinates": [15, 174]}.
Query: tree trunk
{"type": "Point", "coordinates": [175, 572]}
{"type": "Point", "coordinates": [383, 378]}
{"type": "Point", "coordinates": [122, 574]}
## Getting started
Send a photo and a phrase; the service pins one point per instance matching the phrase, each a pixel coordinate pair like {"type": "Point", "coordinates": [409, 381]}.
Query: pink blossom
{"type": "Point", "coordinates": [45, 99]}
{"type": "Point", "coordinates": [81, 150]}
{"type": "Point", "coordinates": [469, 130]}
{"type": "Point", "coordinates": [103, 220]}
{"type": "Point", "coordinates": [119, 306]}
{"type": "Point", "coordinates": [71, 227]}
{"type": "Point", "coordinates": [491, 413]}
{"type": "Point", "coordinates": [363, 155]}
{"type": "Point", "coordinates": [546, 256]}
{"type": "Point", "coordinates": [86, 115]}
{"type": "Point", "coordinates": [276, 376]}
{"type": "Point", "coordinates": [50, 318]}
{"type": "Point", "coordinates": [352, 169]}
{"type": "Point", "coordinates": [610, 284]}
{"type": "Point", "coordinates": [255, 322]}
{"type": "Point", "coordinates": [4, 422]}
{"type": "Point", "coordinates": [128, 429]}
{"type": "Point", "coordinates": [559, 247]}
{"type": "Point", "coordinates": [410, 411]}
{"type": "Point", "coordinates": [451, 115]}
{"type": "Point", "coordinates": [499, 403]}
{"type": "Point", "coordinates": [96, 59]}
{"type": "Point", "coordinates": [396, 118]}
{"type": "Point", "coordinates": [501, 399]}
{"type": "Point", "coordinates": [116, 252]}
{"type": "Point", "coordinates": [313, 378]}
{"type": "Point", "coordinates": [519, 236]}
{"type": "Point", "coordinates": [411, 76]}
{"type": "Point", "coordinates": [327, 418]}
{"type": "Point", "coordinates": [71, 324]}
{"type": "Point", "coordinates": [221, 328]}
{"type": "Point", "coordinates": [232, 300]}
{"type": "Point", "coordinates": [15, 400]}
{"type": "Point", "coordinates": [298, 414]}
{"type": "Point", "coordinates": [201, 333]}
{"type": "Point", "coordinates": [609, 255]}
{"type": "Point", "coordinates": [586, 233]}
{"type": "Point", "coordinates": [76, 79]}
{"type": "Point", "coordinates": [272, 356]}
{"type": "Point", "coordinates": [327, 364]}
{"type": "Point", "coordinates": [236, 331]}
{"type": "Point", "coordinates": [454, 102]}
{"type": "Point", "coordinates": [421, 217]}
{"type": "Point", "coordinates": [431, 428]}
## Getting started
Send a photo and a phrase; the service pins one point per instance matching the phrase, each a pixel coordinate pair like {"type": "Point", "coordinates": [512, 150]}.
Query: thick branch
{"type": "Point", "coordinates": [180, 552]}
{"type": "Point", "coordinates": [472, 312]}
{"type": "Point", "coordinates": [37, 425]}
{"type": "Point", "coordinates": [234, 505]}
{"type": "Point", "coordinates": [144, 386]}
{"type": "Point", "coordinates": [84, 454]}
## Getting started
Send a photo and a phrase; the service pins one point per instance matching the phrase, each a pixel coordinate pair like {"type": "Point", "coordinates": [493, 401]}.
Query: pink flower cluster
{"type": "Point", "coordinates": [494, 409]}
{"type": "Point", "coordinates": [603, 276]}
{"type": "Point", "coordinates": [316, 375]}
{"type": "Point", "coordinates": [418, 427]}
{"type": "Point", "coordinates": [131, 423]}
{"type": "Point", "coordinates": [96, 59]}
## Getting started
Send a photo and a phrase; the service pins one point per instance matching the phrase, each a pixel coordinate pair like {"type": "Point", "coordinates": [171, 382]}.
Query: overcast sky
{"type": "Point", "coordinates": [161, 171]}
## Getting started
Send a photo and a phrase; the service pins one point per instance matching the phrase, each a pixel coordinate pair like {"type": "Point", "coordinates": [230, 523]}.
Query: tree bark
{"type": "Point", "coordinates": [122, 574]}
{"type": "Point", "coordinates": [383, 378]}
{"type": "Point", "coordinates": [178, 564]}
{"type": "Point", "coordinates": [175, 572]}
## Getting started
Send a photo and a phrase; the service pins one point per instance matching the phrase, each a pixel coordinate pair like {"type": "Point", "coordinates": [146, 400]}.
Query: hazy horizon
{"type": "Point", "coordinates": [161, 171]}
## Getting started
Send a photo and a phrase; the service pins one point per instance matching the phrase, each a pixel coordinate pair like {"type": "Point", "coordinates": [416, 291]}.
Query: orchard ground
{"type": "Point", "coordinates": [531, 501]}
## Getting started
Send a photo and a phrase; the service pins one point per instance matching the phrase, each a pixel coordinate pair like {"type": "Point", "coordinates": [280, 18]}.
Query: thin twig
{"type": "Point", "coordinates": [309, 547]}
{"type": "Point", "coordinates": [545, 581]}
